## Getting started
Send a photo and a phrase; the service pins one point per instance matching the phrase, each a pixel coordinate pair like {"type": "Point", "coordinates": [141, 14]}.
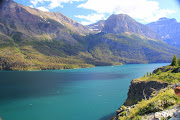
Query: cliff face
{"type": "Point", "coordinates": [139, 90]}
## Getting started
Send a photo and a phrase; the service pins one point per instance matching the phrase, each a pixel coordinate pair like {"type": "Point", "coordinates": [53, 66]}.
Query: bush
{"type": "Point", "coordinates": [159, 72]}
{"type": "Point", "coordinates": [124, 113]}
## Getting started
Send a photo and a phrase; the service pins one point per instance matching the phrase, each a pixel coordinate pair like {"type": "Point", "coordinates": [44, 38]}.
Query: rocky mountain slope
{"type": "Point", "coordinates": [97, 27]}
{"type": "Point", "coordinates": [168, 29]}
{"type": "Point", "coordinates": [35, 24]}
{"type": "Point", "coordinates": [123, 23]}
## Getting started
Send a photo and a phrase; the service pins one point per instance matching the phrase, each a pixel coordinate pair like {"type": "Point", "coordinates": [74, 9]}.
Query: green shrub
{"type": "Point", "coordinates": [159, 72]}
{"type": "Point", "coordinates": [123, 107]}
{"type": "Point", "coordinates": [124, 113]}
{"type": "Point", "coordinates": [137, 118]}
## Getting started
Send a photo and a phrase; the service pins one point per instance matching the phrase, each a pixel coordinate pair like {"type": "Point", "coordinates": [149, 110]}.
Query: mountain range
{"type": "Point", "coordinates": [31, 39]}
{"type": "Point", "coordinates": [168, 29]}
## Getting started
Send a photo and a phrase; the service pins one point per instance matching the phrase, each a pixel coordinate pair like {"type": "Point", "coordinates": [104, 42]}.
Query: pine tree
{"type": "Point", "coordinates": [147, 74]}
{"type": "Point", "coordinates": [174, 61]}
{"type": "Point", "coordinates": [179, 61]}
{"type": "Point", "coordinates": [144, 75]}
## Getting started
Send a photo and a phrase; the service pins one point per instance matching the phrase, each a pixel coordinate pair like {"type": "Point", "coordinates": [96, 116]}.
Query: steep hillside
{"type": "Point", "coordinates": [36, 24]}
{"type": "Point", "coordinates": [168, 29]}
{"type": "Point", "coordinates": [33, 40]}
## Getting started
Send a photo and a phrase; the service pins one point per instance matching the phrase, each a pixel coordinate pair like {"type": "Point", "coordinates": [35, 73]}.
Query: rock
{"type": "Point", "coordinates": [163, 69]}
{"type": "Point", "coordinates": [140, 89]}
{"type": "Point", "coordinates": [176, 70]}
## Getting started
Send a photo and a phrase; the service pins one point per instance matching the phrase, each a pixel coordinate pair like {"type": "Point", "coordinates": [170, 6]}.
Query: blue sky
{"type": "Point", "coordinates": [91, 11]}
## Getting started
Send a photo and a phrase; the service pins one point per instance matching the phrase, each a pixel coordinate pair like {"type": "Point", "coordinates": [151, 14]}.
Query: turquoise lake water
{"type": "Point", "coordinates": [78, 94]}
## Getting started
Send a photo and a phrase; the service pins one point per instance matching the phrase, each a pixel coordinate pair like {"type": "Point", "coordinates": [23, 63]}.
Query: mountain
{"type": "Point", "coordinates": [123, 23]}
{"type": "Point", "coordinates": [168, 29]}
{"type": "Point", "coordinates": [129, 48]}
{"type": "Point", "coordinates": [97, 27]}
{"type": "Point", "coordinates": [33, 23]}
{"type": "Point", "coordinates": [124, 40]}
{"type": "Point", "coordinates": [31, 39]}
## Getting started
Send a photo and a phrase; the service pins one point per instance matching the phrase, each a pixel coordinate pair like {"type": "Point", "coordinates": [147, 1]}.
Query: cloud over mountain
{"type": "Point", "coordinates": [92, 18]}
{"type": "Point", "coordinates": [143, 10]}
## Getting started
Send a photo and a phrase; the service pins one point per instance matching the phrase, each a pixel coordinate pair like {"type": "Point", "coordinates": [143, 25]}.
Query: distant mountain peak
{"type": "Point", "coordinates": [123, 23]}
{"type": "Point", "coordinates": [168, 29]}
{"type": "Point", "coordinates": [163, 18]}
{"type": "Point", "coordinates": [166, 19]}
{"type": "Point", "coordinates": [123, 16]}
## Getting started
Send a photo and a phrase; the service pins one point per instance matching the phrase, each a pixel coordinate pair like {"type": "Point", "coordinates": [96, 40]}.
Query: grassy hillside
{"type": "Point", "coordinates": [159, 100]}
{"type": "Point", "coordinates": [163, 100]}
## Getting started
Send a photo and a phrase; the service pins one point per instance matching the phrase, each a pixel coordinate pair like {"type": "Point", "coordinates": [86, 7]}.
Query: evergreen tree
{"type": "Point", "coordinates": [174, 61]}
{"type": "Point", "coordinates": [179, 61]}
{"type": "Point", "coordinates": [147, 74]}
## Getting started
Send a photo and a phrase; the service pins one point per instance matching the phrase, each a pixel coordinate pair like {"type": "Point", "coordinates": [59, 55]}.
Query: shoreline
{"type": "Point", "coordinates": [82, 67]}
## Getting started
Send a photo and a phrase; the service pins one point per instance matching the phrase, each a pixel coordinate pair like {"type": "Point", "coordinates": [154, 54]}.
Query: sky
{"type": "Point", "coordinates": [90, 11]}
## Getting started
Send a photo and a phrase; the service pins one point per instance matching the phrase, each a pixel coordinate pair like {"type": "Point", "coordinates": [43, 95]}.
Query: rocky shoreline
{"type": "Point", "coordinates": [144, 90]}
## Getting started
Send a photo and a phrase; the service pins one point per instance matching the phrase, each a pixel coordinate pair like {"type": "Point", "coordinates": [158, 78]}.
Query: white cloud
{"type": "Point", "coordinates": [159, 14]}
{"type": "Point", "coordinates": [43, 9]}
{"type": "Point", "coordinates": [52, 3]}
{"type": "Point", "coordinates": [85, 23]}
{"type": "Point", "coordinates": [31, 6]}
{"type": "Point", "coordinates": [145, 10]}
{"type": "Point", "coordinates": [92, 18]}
{"type": "Point", "coordinates": [35, 2]}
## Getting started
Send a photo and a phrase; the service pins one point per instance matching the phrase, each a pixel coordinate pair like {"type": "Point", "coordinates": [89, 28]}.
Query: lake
{"type": "Point", "coordinates": [78, 94]}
